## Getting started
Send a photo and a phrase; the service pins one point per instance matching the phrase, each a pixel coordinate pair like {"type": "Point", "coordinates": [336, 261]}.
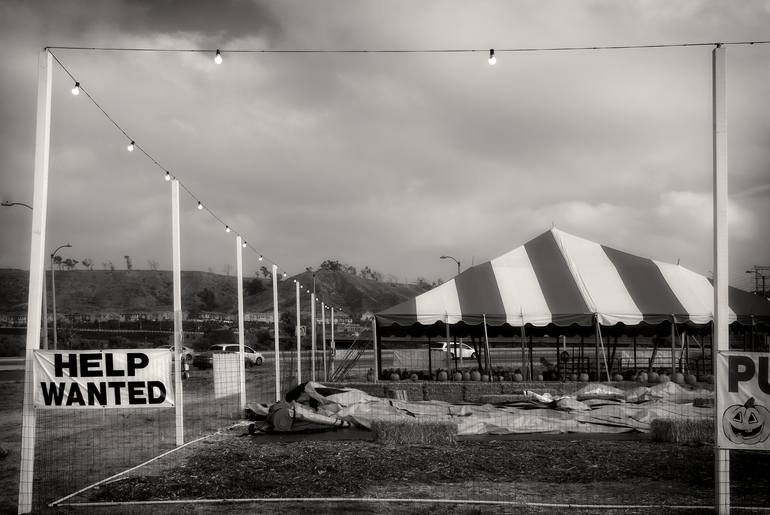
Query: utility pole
{"type": "Point", "coordinates": [760, 273]}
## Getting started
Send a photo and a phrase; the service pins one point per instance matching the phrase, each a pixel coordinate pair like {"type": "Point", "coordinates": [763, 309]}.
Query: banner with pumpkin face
{"type": "Point", "coordinates": [743, 400]}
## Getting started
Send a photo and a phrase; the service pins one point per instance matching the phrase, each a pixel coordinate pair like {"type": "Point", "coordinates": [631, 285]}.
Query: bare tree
{"type": "Point", "coordinates": [87, 263]}
{"type": "Point", "coordinates": [152, 264]}
{"type": "Point", "coordinates": [57, 260]}
{"type": "Point", "coordinates": [264, 271]}
{"type": "Point", "coordinates": [129, 266]}
{"type": "Point", "coordinates": [111, 266]}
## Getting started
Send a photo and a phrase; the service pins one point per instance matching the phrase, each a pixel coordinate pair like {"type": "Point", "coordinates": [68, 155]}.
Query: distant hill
{"type": "Point", "coordinates": [122, 291]}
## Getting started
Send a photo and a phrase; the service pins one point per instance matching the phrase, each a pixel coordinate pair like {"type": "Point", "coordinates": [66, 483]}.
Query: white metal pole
{"type": "Point", "coordinates": [178, 334]}
{"type": "Point", "coordinates": [277, 338]}
{"type": "Point", "coordinates": [241, 329]}
{"type": "Point", "coordinates": [53, 303]}
{"type": "Point", "coordinates": [332, 343]}
{"type": "Point", "coordinates": [488, 360]}
{"type": "Point", "coordinates": [376, 362]}
{"type": "Point", "coordinates": [323, 339]}
{"type": "Point", "coordinates": [312, 336]}
{"type": "Point", "coordinates": [721, 334]}
{"type": "Point", "coordinates": [448, 346]}
{"type": "Point", "coordinates": [36, 271]}
{"type": "Point", "coordinates": [299, 344]}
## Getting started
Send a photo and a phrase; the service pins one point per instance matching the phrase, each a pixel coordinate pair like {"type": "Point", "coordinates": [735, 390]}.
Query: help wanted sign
{"type": "Point", "coordinates": [136, 378]}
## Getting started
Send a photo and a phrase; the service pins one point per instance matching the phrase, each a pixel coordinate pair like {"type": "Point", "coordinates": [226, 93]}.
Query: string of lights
{"type": "Point", "coordinates": [132, 145]}
{"type": "Point", "coordinates": [218, 59]}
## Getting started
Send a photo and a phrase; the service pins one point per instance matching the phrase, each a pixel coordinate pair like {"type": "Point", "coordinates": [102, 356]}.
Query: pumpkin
{"type": "Point", "coordinates": [457, 376]}
{"type": "Point", "coordinates": [484, 378]}
{"type": "Point", "coordinates": [517, 378]}
{"type": "Point", "coordinates": [617, 377]}
{"type": "Point", "coordinates": [539, 377]}
{"type": "Point", "coordinates": [442, 375]}
{"type": "Point", "coordinates": [413, 378]}
{"type": "Point", "coordinates": [370, 376]}
{"type": "Point", "coordinates": [663, 378]}
{"type": "Point", "coordinates": [678, 378]}
{"type": "Point", "coordinates": [652, 377]}
{"type": "Point", "coordinates": [584, 377]}
{"type": "Point", "coordinates": [690, 379]}
{"type": "Point", "coordinates": [395, 377]}
{"type": "Point", "coordinates": [466, 376]}
{"type": "Point", "coordinates": [746, 424]}
{"type": "Point", "coordinates": [709, 378]}
{"type": "Point", "coordinates": [573, 377]}
{"type": "Point", "coordinates": [475, 375]}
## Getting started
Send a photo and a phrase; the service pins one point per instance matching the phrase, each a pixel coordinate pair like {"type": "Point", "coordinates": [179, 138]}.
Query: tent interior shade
{"type": "Point", "coordinates": [558, 279]}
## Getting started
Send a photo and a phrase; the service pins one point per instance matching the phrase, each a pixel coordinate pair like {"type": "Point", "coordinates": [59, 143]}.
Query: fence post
{"type": "Point", "coordinates": [299, 349]}
{"type": "Point", "coordinates": [376, 351]}
{"type": "Point", "coordinates": [277, 336]}
{"type": "Point", "coordinates": [312, 336]}
{"type": "Point", "coordinates": [323, 339]}
{"type": "Point", "coordinates": [333, 345]}
{"type": "Point", "coordinates": [239, 289]}
{"type": "Point", "coordinates": [720, 327]}
{"type": "Point", "coordinates": [36, 271]}
{"type": "Point", "coordinates": [178, 334]}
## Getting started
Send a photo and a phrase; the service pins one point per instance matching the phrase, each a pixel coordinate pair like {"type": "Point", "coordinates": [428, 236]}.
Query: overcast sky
{"type": "Point", "coordinates": [386, 160]}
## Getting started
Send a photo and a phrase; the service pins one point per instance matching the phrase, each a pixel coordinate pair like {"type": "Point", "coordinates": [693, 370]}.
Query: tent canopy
{"type": "Point", "coordinates": [563, 280]}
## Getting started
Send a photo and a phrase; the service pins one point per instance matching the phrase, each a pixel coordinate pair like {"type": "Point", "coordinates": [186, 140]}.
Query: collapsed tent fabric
{"type": "Point", "coordinates": [603, 409]}
{"type": "Point", "coordinates": [561, 279]}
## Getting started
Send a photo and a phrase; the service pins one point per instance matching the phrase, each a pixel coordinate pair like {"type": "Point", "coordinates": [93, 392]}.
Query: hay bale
{"type": "Point", "coordinates": [414, 432]}
{"type": "Point", "coordinates": [448, 392]}
{"type": "Point", "coordinates": [404, 391]}
{"type": "Point", "coordinates": [511, 389]}
{"type": "Point", "coordinates": [473, 392]}
{"type": "Point", "coordinates": [682, 431]}
{"type": "Point", "coordinates": [503, 398]}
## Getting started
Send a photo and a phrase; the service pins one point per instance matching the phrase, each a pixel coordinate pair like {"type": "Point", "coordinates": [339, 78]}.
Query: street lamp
{"type": "Point", "coordinates": [453, 259]}
{"type": "Point", "coordinates": [53, 290]}
{"type": "Point", "coordinates": [44, 336]}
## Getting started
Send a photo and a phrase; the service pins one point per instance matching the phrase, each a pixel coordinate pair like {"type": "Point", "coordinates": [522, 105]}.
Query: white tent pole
{"type": "Point", "coordinates": [36, 274]}
{"type": "Point", "coordinates": [239, 288]}
{"type": "Point", "coordinates": [277, 338]}
{"type": "Point", "coordinates": [523, 352]}
{"type": "Point", "coordinates": [177, 278]}
{"type": "Point", "coordinates": [720, 328]}
{"type": "Point", "coordinates": [486, 348]}
{"type": "Point", "coordinates": [448, 346]}
{"type": "Point", "coordinates": [299, 345]}
{"type": "Point", "coordinates": [376, 350]}
{"type": "Point", "coordinates": [312, 337]}
{"type": "Point", "coordinates": [333, 344]}
{"type": "Point", "coordinates": [323, 339]}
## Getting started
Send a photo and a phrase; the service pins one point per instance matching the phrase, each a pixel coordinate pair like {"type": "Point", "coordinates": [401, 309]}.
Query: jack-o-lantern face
{"type": "Point", "coordinates": [747, 424]}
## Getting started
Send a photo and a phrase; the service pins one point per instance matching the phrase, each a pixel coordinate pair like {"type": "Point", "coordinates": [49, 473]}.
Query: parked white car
{"type": "Point", "coordinates": [465, 349]}
{"type": "Point", "coordinates": [187, 352]}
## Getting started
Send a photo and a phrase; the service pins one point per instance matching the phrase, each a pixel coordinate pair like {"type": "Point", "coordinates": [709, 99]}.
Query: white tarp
{"type": "Point", "coordinates": [124, 378]}
{"type": "Point", "coordinates": [540, 414]}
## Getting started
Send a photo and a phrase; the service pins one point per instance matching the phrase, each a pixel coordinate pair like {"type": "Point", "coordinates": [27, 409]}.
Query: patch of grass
{"type": "Point", "coordinates": [414, 432]}
{"type": "Point", "coordinates": [682, 431]}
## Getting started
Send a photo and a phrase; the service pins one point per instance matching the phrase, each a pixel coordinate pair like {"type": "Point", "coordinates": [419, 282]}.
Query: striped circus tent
{"type": "Point", "coordinates": [558, 278]}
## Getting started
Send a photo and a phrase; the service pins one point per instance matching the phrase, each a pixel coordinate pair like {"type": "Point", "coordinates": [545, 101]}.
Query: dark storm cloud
{"type": "Point", "coordinates": [388, 160]}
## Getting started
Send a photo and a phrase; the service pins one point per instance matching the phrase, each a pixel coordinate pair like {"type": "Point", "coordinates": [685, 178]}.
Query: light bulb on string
{"type": "Point", "coordinates": [76, 89]}
{"type": "Point", "coordinates": [284, 275]}
{"type": "Point", "coordinates": [168, 176]}
{"type": "Point", "coordinates": [260, 257]}
{"type": "Point", "coordinates": [227, 228]}
{"type": "Point", "coordinates": [130, 146]}
{"type": "Point", "coordinates": [492, 59]}
{"type": "Point", "coordinates": [218, 58]}
{"type": "Point", "coordinates": [200, 206]}
{"type": "Point", "coordinates": [244, 244]}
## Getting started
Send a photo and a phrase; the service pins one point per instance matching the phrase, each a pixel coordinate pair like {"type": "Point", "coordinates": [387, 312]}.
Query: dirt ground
{"type": "Point", "coordinates": [75, 450]}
